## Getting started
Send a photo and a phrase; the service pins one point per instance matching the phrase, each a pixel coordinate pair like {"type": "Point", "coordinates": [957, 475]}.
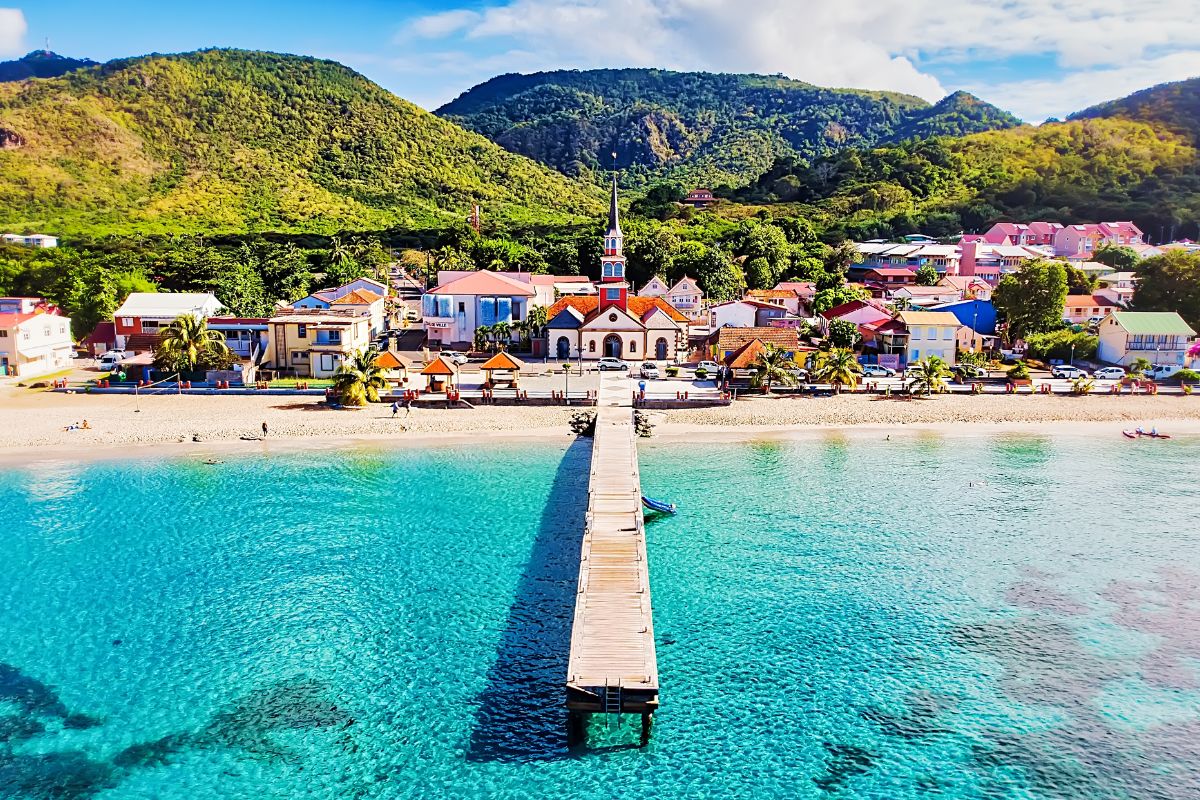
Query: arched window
{"type": "Point", "coordinates": [592, 346]}
{"type": "Point", "coordinates": [632, 346]}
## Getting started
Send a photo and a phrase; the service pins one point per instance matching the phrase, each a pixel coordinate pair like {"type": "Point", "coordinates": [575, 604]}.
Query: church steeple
{"type": "Point", "coordinates": [613, 289]}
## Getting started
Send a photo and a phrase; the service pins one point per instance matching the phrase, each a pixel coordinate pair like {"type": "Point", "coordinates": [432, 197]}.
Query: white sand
{"type": "Point", "coordinates": [32, 422]}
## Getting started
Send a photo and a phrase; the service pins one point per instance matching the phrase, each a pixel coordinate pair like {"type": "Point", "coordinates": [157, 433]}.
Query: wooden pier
{"type": "Point", "coordinates": [613, 668]}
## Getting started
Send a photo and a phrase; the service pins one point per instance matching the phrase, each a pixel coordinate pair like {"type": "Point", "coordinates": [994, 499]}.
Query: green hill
{"type": "Point", "coordinates": [696, 127]}
{"type": "Point", "coordinates": [1175, 106]}
{"type": "Point", "coordinates": [234, 141]}
{"type": "Point", "coordinates": [1081, 170]}
{"type": "Point", "coordinates": [41, 64]}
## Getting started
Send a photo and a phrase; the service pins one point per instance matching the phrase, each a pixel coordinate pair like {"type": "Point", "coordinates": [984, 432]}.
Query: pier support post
{"type": "Point", "coordinates": [647, 725]}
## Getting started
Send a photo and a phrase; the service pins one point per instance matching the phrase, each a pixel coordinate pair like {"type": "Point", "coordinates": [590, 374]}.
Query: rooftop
{"type": "Point", "coordinates": [1157, 323]}
{"type": "Point", "coordinates": [166, 304]}
{"type": "Point", "coordinates": [928, 318]}
{"type": "Point", "coordinates": [485, 282]}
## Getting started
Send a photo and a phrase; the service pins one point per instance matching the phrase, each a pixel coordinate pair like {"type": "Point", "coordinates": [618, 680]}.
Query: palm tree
{"type": "Point", "coordinates": [536, 320]}
{"type": "Point", "coordinates": [928, 375]}
{"type": "Point", "coordinates": [1083, 385]}
{"type": "Point", "coordinates": [339, 254]}
{"type": "Point", "coordinates": [482, 337]}
{"type": "Point", "coordinates": [358, 381]}
{"type": "Point", "coordinates": [773, 366]}
{"type": "Point", "coordinates": [502, 331]}
{"type": "Point", "coordinates": [837, 367]}
{"type": "Point", "coordinates": [1139, 368]}
{"type": "Point", "coordinates": [186, 340]}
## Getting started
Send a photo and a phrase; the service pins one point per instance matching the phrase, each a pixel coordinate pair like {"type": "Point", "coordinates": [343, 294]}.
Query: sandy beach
{"type": "Point", "coordinates": [33, 423]}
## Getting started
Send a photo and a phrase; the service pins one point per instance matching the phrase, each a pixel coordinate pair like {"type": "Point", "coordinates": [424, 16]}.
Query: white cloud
{"type": "Point", "coordinates": [870, 44]}
{"type": "Point", "coordinates": [12, 31]}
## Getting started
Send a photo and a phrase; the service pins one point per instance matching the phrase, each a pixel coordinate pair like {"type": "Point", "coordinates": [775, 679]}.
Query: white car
{"type": "Point", "coordinates": [610, 363]}
{"type": "Point", "coordinates": [1163, 371]}
{"type": "Point", "coordinates": [1067, 371]}
{"type": "Point", "coordinates": [455, 357]}
{"type": "Point", "coordinates": [649, 370]}
{"type": "Point", "coordinates": [877, 371]}
{"type": "Point", "coordinates": [708, 366]}
{"type": "Point", "coordinates": [110, 359]}
{"type": "Point", "coordinates": [1109, 373]}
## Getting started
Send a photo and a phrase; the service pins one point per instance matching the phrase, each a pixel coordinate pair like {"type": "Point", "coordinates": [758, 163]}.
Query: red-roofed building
{"type": "Point", "coordinates": [699, 199]}
{"type": "Point", "coordinates": [1078, 309]}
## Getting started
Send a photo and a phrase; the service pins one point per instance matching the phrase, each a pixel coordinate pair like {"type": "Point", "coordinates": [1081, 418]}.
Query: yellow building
{"type": "Point", "coordinates": [313, 344]}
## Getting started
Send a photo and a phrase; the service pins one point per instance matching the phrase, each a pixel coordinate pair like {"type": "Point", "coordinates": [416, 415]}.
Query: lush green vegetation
{"type": "Point", "coordinates": [41, 64]}
{"type": "Point", "coordinates": [693, 126]}
{"type": "Point", "coordinates": [236, 141]}
{"type": "Point", "coordinates": [187, 345]}
{"type": "Point", "coordinates": [1174, 106]}
{"type": "Point", "coordinates": [1079, 171]}
{"type": "Point", "coordinates": [1064, 344]}
{"type": "Point", "coordinates": [1170, 282]}
{"type": "Point", "coordinates": [358, 381]}
{"type": "Point", "coordinates": [1031, 299]}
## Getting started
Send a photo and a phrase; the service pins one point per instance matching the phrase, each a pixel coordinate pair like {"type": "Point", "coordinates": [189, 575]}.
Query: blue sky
{"type": "Point", "coordinates": [1037, 58]}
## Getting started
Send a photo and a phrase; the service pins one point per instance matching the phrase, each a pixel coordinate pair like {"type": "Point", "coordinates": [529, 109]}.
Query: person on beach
{"type": "Point", "coordinates": [395, 409]}
{"type": "Point", "coordinates": [86, 426]}
{"type": "Point", "coordinates": [264, 430]}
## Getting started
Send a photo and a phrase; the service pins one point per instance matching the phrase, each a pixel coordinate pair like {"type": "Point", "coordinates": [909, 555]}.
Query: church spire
{"type": "Point", "coordinates": [614, 214]}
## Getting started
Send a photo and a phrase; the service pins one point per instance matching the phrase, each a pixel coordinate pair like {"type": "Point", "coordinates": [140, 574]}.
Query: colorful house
{"type": "Point", "coordinates": [978, 318]}
{"type": "Point", "coordinates": [35, 338]}
{"type": "Point", "coordinates": [1079, 309]}
{"type": "Point", "coordinates": [655, 287]}
{"type": "Point", "coordinates": [143, 315]}
{"type": "Point", "coordinates": [930, 333]}
{"type": "Point", "coordinates": [686, 295]}
{"type": "Point", "coordinates": [859, 312]}
{"type": "Point", "coordinates": [454, 310]}
{"type": "Point", "coordinates": [699, 199]}
{"type": "Point", "coordinates": [314, 343]}
{"type": "Point", "coordinates": [1160, 337]}
{"type": "Point", "coordinates": [726, 342]}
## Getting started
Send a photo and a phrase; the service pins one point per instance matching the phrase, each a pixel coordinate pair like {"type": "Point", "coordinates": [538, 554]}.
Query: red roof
{"type": "Point", "coordinates": [502, 361]}
{"type": "Point", "coordinates": [727, 339]}
{"type": "Point", "coordinates": [638, 306]}
{"type": "Point", "coordinates": [389, 360]}
{"type": "Point", "coordinates": [359, 297]}
{"type": "Point", "coordinates": [849, 308]}
{"type": "Point", "coordinates": [1087, 300]}
{"type": "Point", "coordinates": [439, 366]}
{"type": "Point", "coordinates": [897, 272]}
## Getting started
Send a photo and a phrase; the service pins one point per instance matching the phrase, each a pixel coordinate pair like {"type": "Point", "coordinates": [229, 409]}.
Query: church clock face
{"type": "Point", "coordinates": [612, 317]}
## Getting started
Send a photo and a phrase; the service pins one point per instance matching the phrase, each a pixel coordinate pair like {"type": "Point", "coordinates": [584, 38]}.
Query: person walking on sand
{"type": "Point", "coordinates": [264, 430]}
{"type": "Point", "coordinates": [395, 409]}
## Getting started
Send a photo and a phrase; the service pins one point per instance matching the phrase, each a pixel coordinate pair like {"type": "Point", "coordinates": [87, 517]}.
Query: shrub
{"type": "Point", "coordinates": [1057, 344]}
{"type": "Point", "coordinates": [672, 371]}
{"type": "Point", "coordinates": [1188, 376]}
{"type": "Point", "coordinates": [1020, 372]}
{"type": "Point", "coordinates": [701, 374]}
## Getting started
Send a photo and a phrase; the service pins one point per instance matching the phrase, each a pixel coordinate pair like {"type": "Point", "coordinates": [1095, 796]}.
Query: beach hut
{"type": "Point", "coordinates": [507, 365]}
{"type": "Point", "coordinates": [440, 374]}
{"type": "Point", "coordinates": [395, 367]}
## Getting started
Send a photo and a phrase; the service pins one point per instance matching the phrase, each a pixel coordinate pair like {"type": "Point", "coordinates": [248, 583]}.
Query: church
{"type": "Point", "coordinates": [611, 322]}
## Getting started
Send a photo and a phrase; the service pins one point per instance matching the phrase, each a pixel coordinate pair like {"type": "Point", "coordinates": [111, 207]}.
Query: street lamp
{"type": "Point", "coordinates": [567, 380]}
{"type": "Point", "coordinates": [1072, 359]}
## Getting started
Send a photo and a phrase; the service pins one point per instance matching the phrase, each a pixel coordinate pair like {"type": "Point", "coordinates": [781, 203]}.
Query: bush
{"type": "Point", "coordinates": [672, 371]}
{"type": "Point", "coordinates": [1188, 376]}
{"type": "Point", "coordinates": [1057, 344]}
{"type": "Point", "coordinates": [1020, 372]}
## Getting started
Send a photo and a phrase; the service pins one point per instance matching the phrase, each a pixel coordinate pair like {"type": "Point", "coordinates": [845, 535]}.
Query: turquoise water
{"type": "Point", "coordinates": [990, 617]}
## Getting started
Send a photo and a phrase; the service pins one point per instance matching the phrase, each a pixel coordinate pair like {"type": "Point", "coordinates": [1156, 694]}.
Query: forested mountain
{"type": "Point", "coordinates": [41, 64]}
{"type": "Point", "coordinates": [1174, 106]}
{"type": "Point", "coordinates": [1083, 170]}
{"type": "Point", "coordinates": [693, 126]}
{"type": "Point", "coordinates": [227, 140]}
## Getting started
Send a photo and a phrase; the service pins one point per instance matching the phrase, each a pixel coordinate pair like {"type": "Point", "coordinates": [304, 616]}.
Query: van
{"type": "Point", "coordinates": [1163, 371]}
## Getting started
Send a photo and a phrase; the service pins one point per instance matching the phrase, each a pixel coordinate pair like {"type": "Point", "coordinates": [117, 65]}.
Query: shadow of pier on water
{"type": "Point", "coordinates": [521, 714]}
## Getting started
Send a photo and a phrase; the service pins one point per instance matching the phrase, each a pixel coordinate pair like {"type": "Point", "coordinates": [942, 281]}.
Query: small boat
{"type": "Point", "coordinates": [1139, 433]}
{"type": "Point", "coordinates": [658, 505]}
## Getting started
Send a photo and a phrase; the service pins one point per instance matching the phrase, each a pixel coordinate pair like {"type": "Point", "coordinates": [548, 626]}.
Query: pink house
{"type": "Point", "coordinates": [860, 312]}
{"type": "Point", "coordinates": [1121, 233]}
{"type": "Point", "coordinates": [1008, 233]}
{"type": "Point", "coordinates": [1078, 240]}
{"type": "Point", "coordinates": [1042, 233]}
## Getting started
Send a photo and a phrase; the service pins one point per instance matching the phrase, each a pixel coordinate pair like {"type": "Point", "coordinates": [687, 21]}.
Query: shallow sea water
{"type": "Point", "coordinates": [846, 617]}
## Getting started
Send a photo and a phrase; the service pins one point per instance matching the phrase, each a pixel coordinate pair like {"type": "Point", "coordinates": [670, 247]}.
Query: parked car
{"type": "Point", "coordinates": [411, 314]}
{"type": "Point", "coordinates": [1068, 371]}
{"type": "Point", "coordinates": [1109, 373]}
{"type": "Point", "coordinates": [1163, 371]}
{"type": "Point", "coordinates": [610, 363]}
{"type": "Point", "coordinates": [110, 359]}
{"type": "Point", "coordinates": [649, 370]}
{"type": "Point", "coordinates": [708, 366]}
{"type": "Point", "coordinates": [455, 356]}
{"type": "Point", "coordinates": [877, 371]}
{"type": "Point", "coordinates": [799, 374]}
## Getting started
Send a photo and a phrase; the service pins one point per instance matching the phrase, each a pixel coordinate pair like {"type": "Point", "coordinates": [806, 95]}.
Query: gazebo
{"type": "Point", "coordinates": [440, 374]}
{"type": "Point", "coordinates": [501, 362]}
{"type": "Point", "coordinates": [395, 367]}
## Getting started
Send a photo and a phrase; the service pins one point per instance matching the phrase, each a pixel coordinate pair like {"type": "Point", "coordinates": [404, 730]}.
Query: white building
{"type": "Point", "coordinates": [454, 310]}
{"type": "Point", "coordinates": [34, 338]}
{"type": "Point", "coordinates": [1160, 337]}
{"type": "Point", "coordinates": [32, 240]}
{"type": "Point", "coordinates": [144, 314]}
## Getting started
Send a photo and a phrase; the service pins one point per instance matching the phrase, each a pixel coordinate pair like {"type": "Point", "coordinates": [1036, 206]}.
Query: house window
{"type": "Point", "coordinates": [299, 355]}
{"type": "Point", "coordinates": [633, 347]}
{"type": "Point", "coordinates": [127, 322]}
{"type": "Point", "coordinates": [462, 308]}
{"type": "Point", "coordinates": [302, 331]}
{"type": "Point", "coordinates": [25, 336]}
{"type": "Point", "coordinates": [592, 346]}
{"type": "Point", "coordinates": [46, 332]}
{"type": "Point", "coordinates": [3, 334]}
{"type": "Point", "coordinates": [612, 294]}
{"type": "Point", "coordinates": [608, 270]}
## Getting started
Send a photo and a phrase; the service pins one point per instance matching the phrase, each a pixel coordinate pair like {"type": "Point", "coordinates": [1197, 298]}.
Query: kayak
{"type": "Point", "coordinates": [1140, 434]}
